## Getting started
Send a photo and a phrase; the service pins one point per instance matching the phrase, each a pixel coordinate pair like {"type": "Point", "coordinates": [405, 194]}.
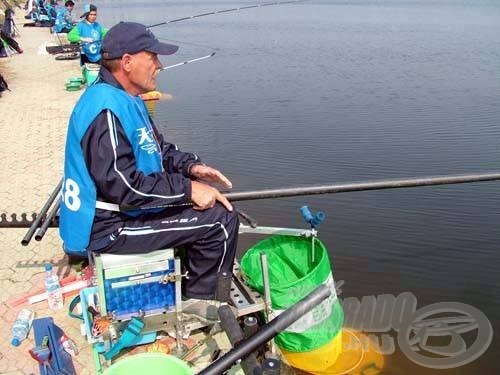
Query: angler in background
{"type": "Point", "coordinates": [9, 26]}
{"type": "Point", "coordinates": [43, 14]}
{"type": "Point", "coordinates": [7, 33]}
{"type": "Point", "coordinates": [6, 43]}
{"type": "Point", "coordinates": [64, 21]}
{"type": "Point", "coordinates": [89, 33]}
{"type": "Point", "coordinates": [51, 9]}
{"type": "Point", "coordinates": [29, 7]}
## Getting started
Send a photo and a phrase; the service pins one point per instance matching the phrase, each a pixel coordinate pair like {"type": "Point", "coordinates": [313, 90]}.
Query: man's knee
{"type": "Point", "coordinates": [232, 221]}
{"type": "Point", "coordinates": [227, 218]}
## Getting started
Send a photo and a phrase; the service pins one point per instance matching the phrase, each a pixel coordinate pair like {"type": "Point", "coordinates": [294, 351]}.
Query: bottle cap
{"type": "Point", "coordinates": [48, 266]}
{"type": "Point", "coordinates": [15, 341]}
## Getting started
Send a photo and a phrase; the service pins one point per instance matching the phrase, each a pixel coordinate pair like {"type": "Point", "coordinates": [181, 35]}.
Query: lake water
{"type": "Point", "coordinates": [328, 92]}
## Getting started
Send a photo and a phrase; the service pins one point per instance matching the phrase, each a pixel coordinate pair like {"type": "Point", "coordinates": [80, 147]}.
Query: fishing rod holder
{"type": "Point", "coordinates": [17, 221]}
{"type": "Point", "coordinates": [314, 220]}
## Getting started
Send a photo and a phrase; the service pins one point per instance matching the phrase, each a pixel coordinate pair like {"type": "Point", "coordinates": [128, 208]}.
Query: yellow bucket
{"type": "Point", "coordinates": [318, 360]}
{"type": "Point", "coordinates": [353, 354]}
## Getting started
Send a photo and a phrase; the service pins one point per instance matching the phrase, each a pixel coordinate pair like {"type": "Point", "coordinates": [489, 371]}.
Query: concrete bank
{"type": "Point", "coordinates": [33, 120]}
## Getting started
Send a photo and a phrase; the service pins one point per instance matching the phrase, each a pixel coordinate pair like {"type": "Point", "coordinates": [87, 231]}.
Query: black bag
{"type": "Point", "coordinates": [3, 84]}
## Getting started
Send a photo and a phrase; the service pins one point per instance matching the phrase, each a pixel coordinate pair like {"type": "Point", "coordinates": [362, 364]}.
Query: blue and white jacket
{"type": "Point", "coordinates": [117, 165]}
{"type": "Point", "coordinates": [85, 29]}
{"type": "Point", "coordinates": [63, 19]}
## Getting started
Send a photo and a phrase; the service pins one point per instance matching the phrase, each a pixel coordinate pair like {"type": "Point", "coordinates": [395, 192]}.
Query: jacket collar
{"type": "Point", "coordinates": [105, 76]}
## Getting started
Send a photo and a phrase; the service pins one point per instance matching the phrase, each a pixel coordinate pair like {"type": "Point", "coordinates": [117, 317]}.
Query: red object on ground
{"type": "Point", "coordinates": [22, 299]}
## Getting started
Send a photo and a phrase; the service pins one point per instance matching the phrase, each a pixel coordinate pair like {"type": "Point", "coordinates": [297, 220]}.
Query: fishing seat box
{"type": "Point", "coordinates": [130, 285]}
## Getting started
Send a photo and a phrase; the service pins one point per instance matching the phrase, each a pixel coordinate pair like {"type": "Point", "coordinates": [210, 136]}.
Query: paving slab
{"type": "Point", "coordinates": [33, 124]}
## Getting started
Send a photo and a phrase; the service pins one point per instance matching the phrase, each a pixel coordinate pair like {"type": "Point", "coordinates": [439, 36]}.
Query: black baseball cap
{"type": "Point", "coordinates": [131, 38]}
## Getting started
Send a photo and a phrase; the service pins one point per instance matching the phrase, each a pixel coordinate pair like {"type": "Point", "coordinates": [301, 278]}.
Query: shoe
{"type": "Point", "coordinates": [203, 309]}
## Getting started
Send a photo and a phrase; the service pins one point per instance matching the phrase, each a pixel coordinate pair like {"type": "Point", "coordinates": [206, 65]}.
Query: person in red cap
{"type": "Point", "coordinates": [127, 190]}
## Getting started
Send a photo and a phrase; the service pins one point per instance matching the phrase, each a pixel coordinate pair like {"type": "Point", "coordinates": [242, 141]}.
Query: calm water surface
{"type": "Point", "coordinates": [342, 91]}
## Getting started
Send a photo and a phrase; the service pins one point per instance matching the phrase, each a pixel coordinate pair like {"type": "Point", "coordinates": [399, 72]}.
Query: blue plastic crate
{"type": "Point", "coordinates": [130, 285]}
{"type": "Point", "coordinates": [144, 297]}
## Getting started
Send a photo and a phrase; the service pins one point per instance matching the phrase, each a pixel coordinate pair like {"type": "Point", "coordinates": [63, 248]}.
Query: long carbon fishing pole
{"type": "Point", "coordinates": [361, 186]}
{"type": "Point", "coordinates": [186, 62]}
{"type": "Point", "coordinates": [31, 231]}
{"type": "Point", "coordinates": [46, 224]}
{"type": "Point", "coordinates": [268, 331]}
{"type": "Point", "coordinates": [291, 192]}
{"type": "Point", "coordinates": [226, 11]}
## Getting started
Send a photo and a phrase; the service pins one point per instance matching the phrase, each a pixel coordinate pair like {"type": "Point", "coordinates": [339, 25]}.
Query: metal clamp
{"type": "Point", "coordinates": [173, 277]}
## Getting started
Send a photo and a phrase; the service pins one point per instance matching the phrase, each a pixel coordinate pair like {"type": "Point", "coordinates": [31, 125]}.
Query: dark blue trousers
{"type": "Point", "coordinates": [209, 237]}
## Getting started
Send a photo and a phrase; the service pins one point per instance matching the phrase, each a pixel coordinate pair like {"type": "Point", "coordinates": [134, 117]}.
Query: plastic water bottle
{"type": "Point", "coordinates": [21, 326]}
{"type": "Point", "coordinates": [54, 291]}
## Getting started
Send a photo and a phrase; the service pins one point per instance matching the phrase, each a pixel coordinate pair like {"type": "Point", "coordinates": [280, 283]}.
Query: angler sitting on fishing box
{"type": "Point", "coordinates": [42, 15]}
{"type": "Point", "coordinates": [126, 190]}
{"type": "Point", "coordinates": [64, 22]}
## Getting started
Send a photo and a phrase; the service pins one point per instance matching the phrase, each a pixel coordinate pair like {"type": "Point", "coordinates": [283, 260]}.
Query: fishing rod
{"type": "Point", "coordinates": [58, 38]}
{"type": "Point", "coordinates": [225, 11]}
{"type": "Point", "coordinates": [267, 331]}
{"type": "Point", "coordinates": [282, 193]}
{"type": "Point", "coordinates": [362, 186]}
{"type": "Point", "coordinates": [48, 221]}
{"type": "Point", "coordinates": [36, 222]}
{"type": "Point", "coordinates": [186, 62]}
